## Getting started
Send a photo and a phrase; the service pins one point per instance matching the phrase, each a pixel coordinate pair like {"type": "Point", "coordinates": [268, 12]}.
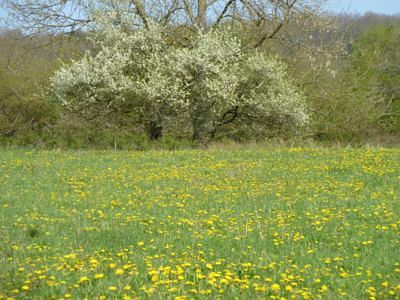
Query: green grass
{"type": "Point", "coordinates": [245, 223]}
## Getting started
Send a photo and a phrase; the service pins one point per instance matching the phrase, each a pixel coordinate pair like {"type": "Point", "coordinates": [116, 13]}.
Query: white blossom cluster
{"type": "Point", "coordinates": [208, 73]}
{"type": "Point", "coordinates": [213, 74]}
{"type": "Point", "coordinates": [271, 92]}
{"type": "Point", "coordinates": [93, 80]}
{"type": "Point", "coordinates": [127, 63]}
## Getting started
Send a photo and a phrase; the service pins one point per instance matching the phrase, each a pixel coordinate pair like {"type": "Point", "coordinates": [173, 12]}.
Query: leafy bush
{"type": "Point", "coordinates": [375, 62]}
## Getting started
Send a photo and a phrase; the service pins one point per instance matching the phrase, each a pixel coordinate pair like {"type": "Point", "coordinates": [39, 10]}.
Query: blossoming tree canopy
{"type": "Point", "coordinates": [201, 86]}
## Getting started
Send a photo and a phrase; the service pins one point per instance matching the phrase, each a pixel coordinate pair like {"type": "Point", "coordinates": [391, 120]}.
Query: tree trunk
{"type": "Point", "coordinates": [201, 14]}
{"type": "Point", "coordinates": [154, 130]}
{"type": "Point", "coordinates": [199, 118]}
{"type": "Point", "coordinates": [198, 128]}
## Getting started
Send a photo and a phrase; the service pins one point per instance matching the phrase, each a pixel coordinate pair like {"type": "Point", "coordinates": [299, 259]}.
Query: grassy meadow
{"type": "Point", "coordinates": [288, 223]}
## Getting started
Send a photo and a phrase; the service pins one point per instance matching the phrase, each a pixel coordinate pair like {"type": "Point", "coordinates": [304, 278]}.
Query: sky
{"type": "Point", "coordinates": [389, 7]}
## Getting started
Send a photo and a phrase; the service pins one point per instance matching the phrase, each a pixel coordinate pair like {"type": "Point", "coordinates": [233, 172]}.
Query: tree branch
{"type": "Point", "coordinates": [223, 12]}
{"type": "Point", "coordinates": [271, 35]}
{"type": "Point", "coordinates": [141, 12]}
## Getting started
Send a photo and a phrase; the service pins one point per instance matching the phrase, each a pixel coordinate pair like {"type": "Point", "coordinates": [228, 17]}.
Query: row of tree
{"type": "Point", "coordinates": [101, 73]}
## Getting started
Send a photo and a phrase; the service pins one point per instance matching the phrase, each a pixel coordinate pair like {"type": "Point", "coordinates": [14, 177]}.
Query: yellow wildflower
{"type": "Point", "coordinates": [99, 276]}
{"type": "Point", "coordinates": [119, 271]}
{"type": "Point", "coordinates": [275, 287]}
{"type": "Point", "coordinates": [83, 279]}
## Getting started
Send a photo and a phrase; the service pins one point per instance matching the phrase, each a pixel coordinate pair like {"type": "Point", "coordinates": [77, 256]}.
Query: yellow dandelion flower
{"type": "Point", "coordinates": [275, 287]}
{"type": "Point", "coordinates": [99, 276]}
{"type": "Point", "coordinates": [119, 271]}
{"type": "Point", "coordinates": [150, 290]}
{"type": "Point", "coordinates": [323, 289]}
{"type": "Point", "coordinates": [154, 278]}
{"type": "Point", "coordinates": [83, 279]}
{"type": "Point", "coordinates": [70, 256]}
{"type": "Point", "coordinates": [224, 281]}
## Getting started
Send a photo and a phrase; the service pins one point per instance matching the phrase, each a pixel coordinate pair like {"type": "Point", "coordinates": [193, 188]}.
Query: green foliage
{"type": "Point", "coordinates": [353, 96]}
{"type": "Point", "coordinates": [26, 115]}
{"type": "Point", "coordinates": [22, 113]}
{"type": "Point", "coordinates": [375, 61]}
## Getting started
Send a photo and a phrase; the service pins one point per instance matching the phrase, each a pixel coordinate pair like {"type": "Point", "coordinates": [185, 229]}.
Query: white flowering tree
{"type": "Point", "coordinates": [203, 86]}
{"type": "Point", "coordinates": [129, 73]}
{"type": "Point", "coordinates": [208, 72]}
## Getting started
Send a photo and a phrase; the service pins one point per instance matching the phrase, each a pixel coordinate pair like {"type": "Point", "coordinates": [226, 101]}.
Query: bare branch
{"type": "Point", "coordinates": [189, 11]}
{"type": "Point", "coordinates": [287, 12]}
{"type": "Point", "coordinates": [223, 12]}
{"type": "Point", "coordinates": [141, 11]}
